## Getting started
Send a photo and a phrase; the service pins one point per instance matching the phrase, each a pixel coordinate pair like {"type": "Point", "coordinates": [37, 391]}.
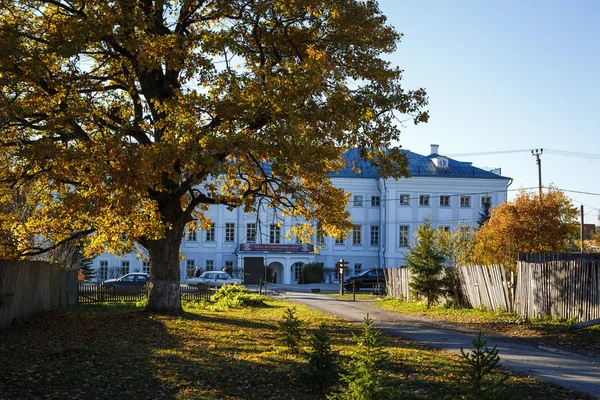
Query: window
{"type": "Point", "coordinates": [374, 235]}
{"type": "Point", "coordinates": [444, 228]}
{"type": "Point", "coordinates": [357, 268]}
{"type": "Point", "coordinates": [103, 270]}
{"type": "Point", "coordinates": [465, 201]}
{"type": "Point", "coordinates": [146, 267]}
{"type": "Point", "coordinates": [190, 265]}
{"type": "Point", "coordinates": [358, 201]}
{"type": "Point", "coordinates": [356, 235]}
{"type": "Point", "coordinates": [297, 236]}
{"type": "Point", "coordinates": [403, 235]}
{"type": "Point", "coordinates": [320, 235]}
{"type": "Point", "coordinates": [424, 200]}
{"type": "Point", "coordinates": [444, 201]}
{"type": "Point", "coordinates": [297, 270]}
{"type": "Point", "coordinates": [210, 233]}
{"type": "Point", "coordinates": [210, 265]}
{"type": "Point", "coordinates": [251, 233]}
{"type": "Point", "coordinates": [375, 201]}
{"type": "Point", "coordinates": [230, 232]}
{"type": "Point", "coordinates": [274, 234]}
{"type": "Point", "coordinates": [486, 200]}
{"type": "Point", "coordinates": [229, 267]}
{"type": "Point", "coordinates": [124, 267]}
{"type": "Point", "coordinates": [404, 200]}
{"type": "Point", "coordinates": [340, 240]}
{"type": "Point", "coordinates": [192, 235]}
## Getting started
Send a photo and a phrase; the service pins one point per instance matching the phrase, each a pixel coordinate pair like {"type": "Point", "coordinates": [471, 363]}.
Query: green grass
{"type": "Point", "coordinates": [551, 332]}
{"type": "Point", "coordinates": [123, 352]}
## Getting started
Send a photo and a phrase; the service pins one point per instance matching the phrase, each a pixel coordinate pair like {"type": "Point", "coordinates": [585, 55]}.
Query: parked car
{"type": "Point", "coordinates": [214, 279]}
{"type": "Point", "coordinates": [130, 282]}
{"type": "Point", "coordinates": [372, 278]}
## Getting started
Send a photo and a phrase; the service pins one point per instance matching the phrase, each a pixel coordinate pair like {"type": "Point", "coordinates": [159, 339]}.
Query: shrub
{"type": "Point", "coordinates": [235, 296]}
{"type": "Point", "coordinates": [366, 375]}
{"type": "Point", "coordinates": [290, 328]}
{"type": "Point", "coordinates": [322, 367]}
{"type": "Point", "coordinates": [312, 273]}
{"type": "Point", "coordinates": [478, 364]}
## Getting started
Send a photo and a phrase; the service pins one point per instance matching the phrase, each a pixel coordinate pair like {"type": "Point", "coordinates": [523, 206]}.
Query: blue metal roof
{"type": "Point", "coordinates": [419, 166]}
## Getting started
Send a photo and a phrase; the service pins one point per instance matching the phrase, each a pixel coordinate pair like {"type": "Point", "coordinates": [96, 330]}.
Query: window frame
{"type": "Point", "coordinates": [357, 235]}
{"type": "Point", "coordinates": [374, 234]}
{"type": "Point", "coordinates": [403, 235]}
{"type": "Point", "coordinates": [125, 267]}
{"type": "Point", "coordinates": [375, 201]}
{"type": "Point", "coordinates": [465, 201]}
{"type": "Point", "coordinates": [357, 200]}
{"type": "Point", "coordinates": [444, 200]}
{"type": "Point", "coordinates": [251, 232]}
{"type": "Point", "coordinates": [229, 232]}
{"type": "Point", "coordinates": [210, 265]}
{"type": "Point", "coordinates": [320, 235]}
{"type": "Point", "coordinates": [190, 266]}
{"type": "Point", "coordinates": [404, 199]}
{"type": "Point", "coordinates": [274, 234]}
{"type": "Point", "coordinates": [192, 234]}
{"type": "Point", "coordinates": [210, 233]}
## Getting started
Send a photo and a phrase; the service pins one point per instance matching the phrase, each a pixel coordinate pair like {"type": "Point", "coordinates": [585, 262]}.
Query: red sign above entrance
{"type": "Point", "coordinates": [278, 248]}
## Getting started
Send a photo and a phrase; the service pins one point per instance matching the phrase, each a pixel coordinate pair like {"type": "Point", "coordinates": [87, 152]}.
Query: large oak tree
{"type": "Point", "coordinates": [128, 118]}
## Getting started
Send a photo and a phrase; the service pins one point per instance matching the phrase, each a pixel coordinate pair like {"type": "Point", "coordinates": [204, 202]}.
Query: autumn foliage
{"type": "Point", "coordinates": [526, 224]}
{"type": "Point", "coordinates": [129, 118]}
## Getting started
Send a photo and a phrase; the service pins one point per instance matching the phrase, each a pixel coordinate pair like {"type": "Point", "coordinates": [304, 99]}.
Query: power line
{"type": "Point", "coordinates": [592, 156]}
{"type": "Point", "coordinates": [487, 153]}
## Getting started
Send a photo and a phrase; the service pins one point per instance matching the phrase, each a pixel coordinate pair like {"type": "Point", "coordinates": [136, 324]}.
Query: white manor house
{"type": "Point", "coordinates": [385, 214]}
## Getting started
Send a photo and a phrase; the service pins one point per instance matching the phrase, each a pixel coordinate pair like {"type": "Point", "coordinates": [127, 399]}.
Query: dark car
{"type": "Point", "coordinates": [130, 282]}
{"type": "Point", "coordinates": [372, 278]}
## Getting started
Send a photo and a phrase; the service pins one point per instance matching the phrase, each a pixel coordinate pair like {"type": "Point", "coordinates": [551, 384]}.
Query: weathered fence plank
{"type": "Point", "coordinates": [565, 286]}
{"type": "Point", "coordinates": [28, 287]}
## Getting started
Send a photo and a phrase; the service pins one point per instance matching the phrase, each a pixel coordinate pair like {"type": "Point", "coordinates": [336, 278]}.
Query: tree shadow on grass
{"type": "Point", "coordinates": [83, 354]}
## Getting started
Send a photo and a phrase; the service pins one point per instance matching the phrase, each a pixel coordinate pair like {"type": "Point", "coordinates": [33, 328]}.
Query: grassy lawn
{"type": "Point", "coordinates": [122, 352]}
{"type": "Point", "coordinates": [553, 333]}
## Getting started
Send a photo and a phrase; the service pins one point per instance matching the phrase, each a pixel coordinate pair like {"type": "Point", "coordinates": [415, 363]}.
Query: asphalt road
{"type": "Point", "coordinates": [571, 371]}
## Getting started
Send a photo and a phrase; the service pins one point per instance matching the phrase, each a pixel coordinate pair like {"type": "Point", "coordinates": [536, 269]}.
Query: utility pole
{"type": "Point", "coordinates": [537, 153]}
{"type": "Point", "coordinates": [581, 233]}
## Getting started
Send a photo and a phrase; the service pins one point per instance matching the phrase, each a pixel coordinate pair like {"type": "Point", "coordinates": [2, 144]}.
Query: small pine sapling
{"type": "Point", "coordinates": [366, 375]}
{"type": "Point", "coordinates": [321, 371]}
{"type": "Point", "coordinates": [291, 330]}
{"type": "Point", "coordinates": [478, 364]}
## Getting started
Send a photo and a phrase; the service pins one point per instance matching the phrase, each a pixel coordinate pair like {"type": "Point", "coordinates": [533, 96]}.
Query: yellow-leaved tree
{"type": "Point", "coordinates": [526, 224]}
{"type": "Point", "coordinates": [128, 118]}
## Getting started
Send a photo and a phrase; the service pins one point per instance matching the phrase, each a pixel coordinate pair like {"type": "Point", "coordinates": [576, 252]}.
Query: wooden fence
{"type": "Point", "coordinates": [90, 293]}
{"type": "Point", "coordinates": [397, 280]}
{"type": "Point", "coordinates": [564, 286]}
{"type": "Point", "coordinates": [558, 285]}
{"type": "Point", "coordinates": [487, 286]}
{"type": "Point", "coordinates": [28, 287]}
{"type": "Point", "coordinates": [480, 286]}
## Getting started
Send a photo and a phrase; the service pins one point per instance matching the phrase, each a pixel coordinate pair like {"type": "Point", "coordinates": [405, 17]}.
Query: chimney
{"type": "Point", "coordinates": [435, 148]}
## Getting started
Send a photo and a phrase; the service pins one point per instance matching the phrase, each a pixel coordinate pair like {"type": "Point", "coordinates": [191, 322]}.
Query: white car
{"type": "Point", "coordinates": [213, 279]}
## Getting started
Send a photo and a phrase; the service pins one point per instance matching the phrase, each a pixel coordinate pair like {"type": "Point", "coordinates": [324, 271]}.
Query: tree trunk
{"type": "Point", "coordinates": [164, 272]}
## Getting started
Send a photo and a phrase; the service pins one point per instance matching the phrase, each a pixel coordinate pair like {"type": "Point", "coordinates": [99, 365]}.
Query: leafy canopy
{"type": "Point", "coordinates": [526, 224]}
{"type": "Point", "coordinates": [127, 118]}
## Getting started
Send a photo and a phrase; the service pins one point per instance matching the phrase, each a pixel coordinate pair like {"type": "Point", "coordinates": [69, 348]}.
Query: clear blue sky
{"type": "Point", "coordinates": [507, 75]}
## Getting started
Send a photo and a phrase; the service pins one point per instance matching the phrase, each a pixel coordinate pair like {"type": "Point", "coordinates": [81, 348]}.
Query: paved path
{"type": "Point", "coordinates": [571, 371]}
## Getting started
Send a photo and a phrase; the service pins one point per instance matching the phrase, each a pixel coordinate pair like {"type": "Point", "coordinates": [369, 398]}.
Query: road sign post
{"type": "Point", "coordinates": [342, 265]}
